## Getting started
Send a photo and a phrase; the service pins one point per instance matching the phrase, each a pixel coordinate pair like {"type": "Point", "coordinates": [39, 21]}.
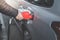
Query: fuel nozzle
{"type": "Point", "coordinates": [26, 12]}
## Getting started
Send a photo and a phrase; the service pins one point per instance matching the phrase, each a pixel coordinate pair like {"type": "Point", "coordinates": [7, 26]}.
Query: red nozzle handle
{"type": "Point", "coordinates": [26, 15]}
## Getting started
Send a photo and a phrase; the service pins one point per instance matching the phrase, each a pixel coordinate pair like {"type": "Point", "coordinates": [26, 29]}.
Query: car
{"type": "Point", "coordinates": [45, 25]}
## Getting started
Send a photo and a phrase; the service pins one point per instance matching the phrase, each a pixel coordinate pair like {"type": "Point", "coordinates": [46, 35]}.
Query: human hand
{"type": "Point", "coordinates": [26, 15]}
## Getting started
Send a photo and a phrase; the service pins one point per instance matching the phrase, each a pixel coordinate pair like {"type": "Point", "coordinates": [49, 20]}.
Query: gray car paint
{"type": "Point", "coordinates": [41, 27]}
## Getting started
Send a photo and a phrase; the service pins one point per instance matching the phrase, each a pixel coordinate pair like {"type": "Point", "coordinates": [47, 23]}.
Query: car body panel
{"type": "Point", "coordinates": [41, 26]}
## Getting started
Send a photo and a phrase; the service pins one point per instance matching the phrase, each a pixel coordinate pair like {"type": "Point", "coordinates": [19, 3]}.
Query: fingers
{"type": "Point", "coordinates": [19, 16]}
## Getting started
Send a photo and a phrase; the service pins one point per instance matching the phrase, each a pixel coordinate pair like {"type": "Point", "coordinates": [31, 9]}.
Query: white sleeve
{"type": "Point", "coordinates": [13, 3]}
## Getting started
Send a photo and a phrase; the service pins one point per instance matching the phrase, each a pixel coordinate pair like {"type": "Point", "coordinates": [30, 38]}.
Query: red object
{"type": "Point", "coordinates": [26, 15]}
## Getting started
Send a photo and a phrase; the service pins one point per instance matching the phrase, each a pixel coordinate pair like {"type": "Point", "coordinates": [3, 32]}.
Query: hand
{"type": "Point", "coordinates": [24, 15]}
{"type": "Point", "coordinates": [19, 16]}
